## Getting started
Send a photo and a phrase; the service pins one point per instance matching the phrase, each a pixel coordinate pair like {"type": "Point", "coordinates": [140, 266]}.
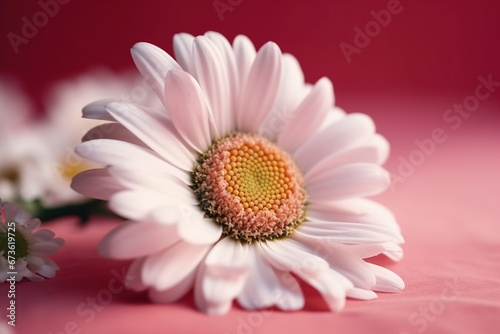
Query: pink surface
{"type": "Point", "coordinates": [448, 209]}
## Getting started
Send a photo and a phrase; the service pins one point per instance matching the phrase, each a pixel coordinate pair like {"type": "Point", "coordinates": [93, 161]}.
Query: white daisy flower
{"type": "Point", "coordinates": [63, 128]}
{"type": "Point", "coordinates": [245, 181]}
{"type": "Point", "coordinates": [23, 251]}
{"type": "Point", "coordinates": [19, 147]}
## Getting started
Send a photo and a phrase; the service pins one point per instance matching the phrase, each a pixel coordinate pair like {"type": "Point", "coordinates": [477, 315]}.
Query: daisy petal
{"type": "Point", "coordinates": [356, 210]}
{"type": "Point", "coordinates": [349, 232]}
{"type": "Point", "coordinates": [338, 136]}
{"type": "Point", "coordinates": [387, 281]}
{"type": "Point", "coordinates": [229, 61]}
{"type": "Point", "coordinates": [133, 279]}
{"type": "Point", "coordinates": [174, 293]}
{"type": "Point", "coordinates": [266, 286]}
{"type": "Point", "coordinates": [153, 63]}
{"type": "Point", "coordinates": [245, 53]}
{"type": "Point", "coordinates": [308, 116]}
{"type": "Point", "coordinates": [112, 131]}
{"type": "Point", "coordinates": [136, 239]}
{"type": "Point", "coordinates": [153, 133]}
{"type": "Point", "coordinates": [213, 79]}
{"type": "Point", "coordinates": [287, 99]}
{"type": "Point", "coordinates": [168, 268]}
{"type": "Point", "coordinates": [137, 204]}
{"type": "Point", "coordinates": [97, 110]}
{"type": "Point", "coordinates": [194, 228]}
{"type": "Point", "coordinates": [260, 88]}
{"type": "Point", "coordinates": [353, 180]}
{"type": "Point", "coordinates": [184, 101]}
{"type": "Point", "coordinates": [357, 293]}
{"type": "Point", "coordinates": [183, 50]}
{"type": "Point", "coordinates": [226, 268]}
{"type": "Point", "coordinates": [109, 152]}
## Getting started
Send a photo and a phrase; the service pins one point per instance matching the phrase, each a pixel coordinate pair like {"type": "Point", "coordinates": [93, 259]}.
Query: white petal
{"type": "Point", "coordinates": [110, 152]}
{"type": "Point", "coordinates": [183, 50]}
{"type": "Point", "coordinates": [149, 178]}
{"type": "Point", "coordinates": [308, 116]}
{"type": "Point", "coordinates": [356, 210]}
{"type": "Point", "coordinates": [44, 247]}
{"type": "Point", "coordinates": [174, 293]}
{"type": "Point", "coordinates": [334, 115]}
{"type": "Point", "coordinates": [229, 62]}
{"type": "Point", "coordinates": [159, 136]}
{"type": "Point", "coordinates": [393, 251]}
{"type": "Point", "coordinates": [266, 286]}
{"type": "Point", "coordinates": [382, 146]}
{"type": "Point", "coordinates": [213, 79]}
{"type": "Point", "coordinates": [112, 131]}
{"type": "Point", "coordinates": [289, 255]}
{"type": "Point", "coordinates": [260, 88]}
{"type": "Point", "coordinates": [362, 294]}
{"type": "Point", "coordinates": [338, 136]}
{"type": "Point", "coordinates": [194, 228]}
{"type": "Point", "coordinates": [97, 110]}
{"type": "Point", "coordinates": [189, 113]}
{"type": "Point", "coordinates": [153, 63]}
{"type": "Point", "coordinates": [138, 204]}
{"type": "Point", "coordinates": [168, 268]}
{"type": "Point", "coordinates": [349, 266]}
{"type": "Point", "coordinates": [245, 53]}
{"type": "Point", "coordinates": [387, 281]}
{"type": "Point", "coordinates": [348, 232]}
{"type": "Point", "coordinates": [225, 272]}
{"type": "Point", "coordinates": [136, 239]}
{"type": "Point", "coordinates": [353, 180]}
{"type": "Point", "coordinates": [287, 99]}
{"type": "Point", "coordinates": [133, 279]}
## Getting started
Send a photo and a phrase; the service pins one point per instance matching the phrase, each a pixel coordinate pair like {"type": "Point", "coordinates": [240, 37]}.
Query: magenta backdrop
{"type": "Point", "coordinates": [431, 80]}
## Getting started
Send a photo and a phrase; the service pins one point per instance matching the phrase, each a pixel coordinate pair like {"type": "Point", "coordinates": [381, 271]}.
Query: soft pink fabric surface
{"type": "Point", "coordinates": [449, 212]}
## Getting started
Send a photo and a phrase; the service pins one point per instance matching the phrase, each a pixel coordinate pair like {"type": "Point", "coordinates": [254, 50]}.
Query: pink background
{"type": "Point", "coordinates": [427, 59]}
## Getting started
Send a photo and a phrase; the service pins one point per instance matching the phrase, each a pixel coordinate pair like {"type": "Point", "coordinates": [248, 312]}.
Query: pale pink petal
{"type": "Point", "coordinates": [133, 279]}
{"type": "Point", "coordinates": [338, 136]}
{"type": "Point", "coordinates": [195, 228]}
{"type": "Point", "coordinates": [85, 184]}
{"type": "Point", "coordinates": [308, 116]}
{"type": "Point", "coordinates": [138, 204]}
{"type": "Point", "coordinates": [244, 52]}
{"type": "Point", "coordinates": [229, 62]}
{"type": "Point", "coordinates": [266, 286]}
{"type": "Point", "coordinates": [174, 293]}
{"type": "Point", "coordinates": [289, 255]}
{"type": "Point", "coordinates": [97, 110]}
{"type": "Point", "coordinates": [154, 133]}
{"type": "Point", "coordinates": [226, 268]}
{"type": "Point", "coordinates": [362, 294]}
{"type": "Point", "coordinates": [168, 268]}
{"type": "Point", "coordinates": [110, 152]}
{"type": "Point", "coordinates": [136, 239]}
{"type": "Point", "coordinates": [353, 180]}
{"type": "Point", "coordinates": [112, 130]}
{"type": "Point", "coordinates": [387, 281]}
{"type": "Point", "coordinates": [183, 50]}
{"type": "Point", "coordinates": [287, 99]}
{"type": "Point", "coordinates": [347, 232]}
{"type": "Point", "coordinates": [260, 88]}
{"type": "Point", "coordinates": [188, 110]}
{"type": "Point", "coordinates": [153, 63]}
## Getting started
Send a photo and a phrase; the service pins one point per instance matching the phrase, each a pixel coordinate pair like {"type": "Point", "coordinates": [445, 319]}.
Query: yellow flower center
{"type": "Point", "coordinates": [251, 187]}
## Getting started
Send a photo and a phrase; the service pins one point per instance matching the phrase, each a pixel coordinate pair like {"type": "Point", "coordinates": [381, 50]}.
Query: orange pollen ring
{"type": "Point", "coordinates": [251, 187]}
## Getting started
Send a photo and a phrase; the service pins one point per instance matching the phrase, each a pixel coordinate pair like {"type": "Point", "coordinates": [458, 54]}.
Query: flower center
{"type": "Point", "coordinates": [15, 242]}
{"type": "Point", "coordinates": [251, 187]}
